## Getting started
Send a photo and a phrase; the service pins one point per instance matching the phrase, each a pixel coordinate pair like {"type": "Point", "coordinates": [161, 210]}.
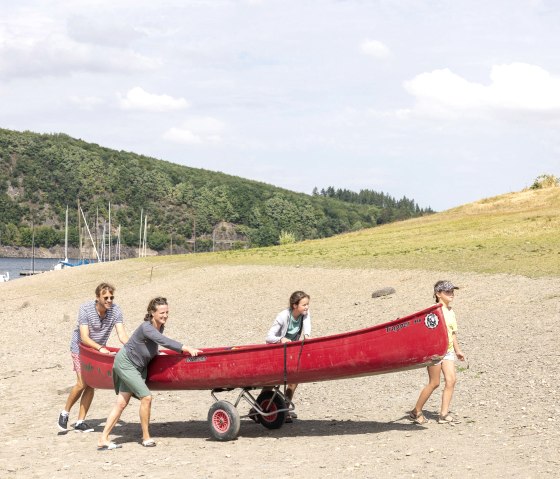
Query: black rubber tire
{"type": "Point", "coordinates": [267, 403]}
{"type": "Point", "coordinates": [224, 421]}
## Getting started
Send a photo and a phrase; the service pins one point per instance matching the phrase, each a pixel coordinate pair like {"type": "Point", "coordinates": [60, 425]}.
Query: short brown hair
{"type": "Point", "coordinates": [104, 287]}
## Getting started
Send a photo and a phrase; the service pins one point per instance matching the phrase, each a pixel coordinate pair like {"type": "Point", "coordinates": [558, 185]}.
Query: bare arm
{"type": "Point", "coordinates": [457, 349]}
{"type": "Point", "coordinates": [121, 333]}
{"type": "Point", "coordinates": [84, 337]}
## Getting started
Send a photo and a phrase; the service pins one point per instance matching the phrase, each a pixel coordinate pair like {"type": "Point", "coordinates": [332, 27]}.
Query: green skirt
{"type": "Point", "coordinates": [127, 378]}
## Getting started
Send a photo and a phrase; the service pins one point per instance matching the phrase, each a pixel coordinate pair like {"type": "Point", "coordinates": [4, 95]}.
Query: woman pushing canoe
{"type": "Point", "coordinates": [131, 366]}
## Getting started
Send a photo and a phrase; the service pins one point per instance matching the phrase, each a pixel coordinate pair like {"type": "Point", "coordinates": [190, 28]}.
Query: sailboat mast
{"type": "Point", "coordinates": [66, 236]}
{"type": "Point", "coordinates": [145, 233]}
{"type": "Point", "coordinates": [110, 240]}
{"type": "Point", "coordinates": [140, 236]}
{"type": "Point", "coordinates": [91, 237]}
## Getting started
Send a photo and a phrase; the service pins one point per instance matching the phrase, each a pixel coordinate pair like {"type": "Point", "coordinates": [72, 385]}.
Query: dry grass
{"type": "Point", "coordinates": [516, 233]}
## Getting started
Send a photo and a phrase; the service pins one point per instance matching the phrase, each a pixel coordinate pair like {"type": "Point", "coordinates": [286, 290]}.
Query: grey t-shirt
{"type": "Point", "coordinates": [142, 346]}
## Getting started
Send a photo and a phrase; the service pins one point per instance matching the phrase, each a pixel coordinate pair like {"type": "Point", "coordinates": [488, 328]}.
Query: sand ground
{"type": "Point", "coordinates": [507, 401]}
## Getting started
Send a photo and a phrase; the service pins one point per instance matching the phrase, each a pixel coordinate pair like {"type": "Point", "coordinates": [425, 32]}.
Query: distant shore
{"type": "Point", "coordinates": [57, 252]}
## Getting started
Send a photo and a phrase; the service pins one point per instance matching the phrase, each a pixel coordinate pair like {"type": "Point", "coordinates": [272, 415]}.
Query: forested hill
{"type": "Point", "coordinates": [42, 174]}
{"type": "Point", "coordinates": [391, 209]}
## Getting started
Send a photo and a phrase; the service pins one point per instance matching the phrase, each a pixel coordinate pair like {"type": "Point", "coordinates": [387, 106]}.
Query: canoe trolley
{"type": "Point", "coordinates": [269, 408]}
{"type": "Point", "coordinates": [262, 372]}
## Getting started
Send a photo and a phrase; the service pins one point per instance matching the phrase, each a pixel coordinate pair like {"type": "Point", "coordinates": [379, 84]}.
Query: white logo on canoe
{"type": "Point", "coordinates": [431, 321]}
{"type": "Point", "coordinates": [195, 359]}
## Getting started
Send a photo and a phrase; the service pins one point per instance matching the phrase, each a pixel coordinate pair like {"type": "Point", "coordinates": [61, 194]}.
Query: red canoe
{"type": "Point", "coordinates": [410, 342]}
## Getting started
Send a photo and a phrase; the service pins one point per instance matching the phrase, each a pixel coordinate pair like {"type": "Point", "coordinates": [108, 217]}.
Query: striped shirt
{"type": "Point", "coordinates": [99, 328]}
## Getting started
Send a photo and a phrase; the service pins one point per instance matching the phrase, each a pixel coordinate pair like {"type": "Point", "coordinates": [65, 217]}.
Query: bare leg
{"type": "Point", "coordinates": [114, 415]}
{"type": "Point", "coordinates": [434, 373]}
{"type": "Point", "coordinates": [290, 390]}
{"type": "Point", "coordinates": [448, 368]}
{"type": "Point", "coordinates": [75, 393]}
{"type": "Point", "coordinates": [145, 410]}
{"type": "Point", "coordinates": [85, 402]}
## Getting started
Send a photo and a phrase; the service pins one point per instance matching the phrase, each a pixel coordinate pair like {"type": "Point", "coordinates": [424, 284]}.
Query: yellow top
{"type": "Point", "coordinates": [451, 322]}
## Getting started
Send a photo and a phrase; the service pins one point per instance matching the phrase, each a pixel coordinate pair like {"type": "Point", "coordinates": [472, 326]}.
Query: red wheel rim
{"type": "Point", "coordinates": [269, 406]}
{"type": "Point", "coordinates": [220, 421]}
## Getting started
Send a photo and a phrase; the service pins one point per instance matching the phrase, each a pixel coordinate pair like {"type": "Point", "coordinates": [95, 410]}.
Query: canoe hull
{"type": "Point", "coordinates": [411, 342]}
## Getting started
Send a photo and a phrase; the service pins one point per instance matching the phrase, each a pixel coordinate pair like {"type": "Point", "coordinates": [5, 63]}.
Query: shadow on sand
{"type": "Point", "coordinates": [249, 429]}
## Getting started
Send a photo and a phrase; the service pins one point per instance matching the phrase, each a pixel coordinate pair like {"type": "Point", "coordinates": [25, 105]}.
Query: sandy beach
{"type": "Point", "coordinates": [507, 401]}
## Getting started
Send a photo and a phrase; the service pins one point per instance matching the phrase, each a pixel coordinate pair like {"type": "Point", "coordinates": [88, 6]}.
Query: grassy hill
{"type": "Point", "coordinates": [516, 233]}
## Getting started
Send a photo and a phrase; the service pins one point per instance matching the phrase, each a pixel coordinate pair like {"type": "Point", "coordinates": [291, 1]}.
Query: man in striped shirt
{"type": "Point", "coordinates": [96, 320]}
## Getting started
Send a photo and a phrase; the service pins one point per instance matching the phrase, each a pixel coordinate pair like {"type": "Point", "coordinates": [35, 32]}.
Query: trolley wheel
{"type": "Point", "coordinates": [270, 402]}
{"type": "Point", "coordinates": [224, 422]}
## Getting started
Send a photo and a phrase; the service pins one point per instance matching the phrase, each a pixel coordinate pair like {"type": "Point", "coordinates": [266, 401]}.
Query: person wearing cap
{"type": "Point", "coordinates": [444, 293]}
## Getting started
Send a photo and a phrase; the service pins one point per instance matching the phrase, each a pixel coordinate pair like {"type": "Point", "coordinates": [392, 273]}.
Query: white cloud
{"type": "Point", "coordinates": [375, 49]}
{"type": "Point", "coordinates": [196, 131]}
{"type": "Point", "coordinates": [102, 31]}
{"type": "Point", "coordinates": [139, 99]}
{"type": "Point", "coordinates": [35, 45]}
{"type": "Point", "coordinates": [87, 102]}
{"type": "Point", "coordinates": [525, 87]}
{"type": "Point", "coordinates": [182, 135]}
{"type": "Point", "coordinates": [517, 87]}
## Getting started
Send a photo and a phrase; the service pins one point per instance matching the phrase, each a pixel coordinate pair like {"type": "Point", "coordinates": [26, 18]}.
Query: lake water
{"type": "Point", "coordinates": [15, 266]}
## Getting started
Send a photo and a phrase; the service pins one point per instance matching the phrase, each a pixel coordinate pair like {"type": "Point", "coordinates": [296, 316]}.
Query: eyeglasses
{"type": "Point", "coordinates": [108, 297]}
{"type": "Point", "coordinates": [449, 293]}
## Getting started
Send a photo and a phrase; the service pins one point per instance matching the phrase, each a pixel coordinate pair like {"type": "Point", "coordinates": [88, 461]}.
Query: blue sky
{"type": "Point", "coordinates": [445, 102]}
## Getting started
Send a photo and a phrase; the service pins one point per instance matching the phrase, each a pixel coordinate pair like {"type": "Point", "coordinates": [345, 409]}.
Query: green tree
{"type": "Point", "coordinates": [157, 240]}
{"type": "Point", "coordinates": [26, 236]}
{"type": "Point", "coordinates": [46, 237]}
{"type": "Point", "coordinates": [10, 234]}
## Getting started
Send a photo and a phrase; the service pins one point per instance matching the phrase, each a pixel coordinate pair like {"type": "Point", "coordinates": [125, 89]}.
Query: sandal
{"type": "Point", "coordinates": [108, 447]}
{"type": "Point", "coordinates": [447, 419]}
{"type": "Point", "coordinates": [418, 418]}
{"type": "Point", "coordinates": [148, 443]}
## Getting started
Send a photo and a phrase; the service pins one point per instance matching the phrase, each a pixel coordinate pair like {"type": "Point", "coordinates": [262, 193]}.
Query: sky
{"type": "Point", "coordinates": [445, 102]}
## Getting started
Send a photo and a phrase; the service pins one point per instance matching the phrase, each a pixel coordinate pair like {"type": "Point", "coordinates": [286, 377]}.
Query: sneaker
{"type": "Point", "coordinates": [82, 427]}
{"type": "Point", "coordinates": [63, 422]}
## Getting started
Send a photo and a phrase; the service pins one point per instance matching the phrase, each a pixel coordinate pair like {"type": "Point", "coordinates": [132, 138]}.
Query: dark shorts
{"type": "Point", "coordinates": [127, 378]}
